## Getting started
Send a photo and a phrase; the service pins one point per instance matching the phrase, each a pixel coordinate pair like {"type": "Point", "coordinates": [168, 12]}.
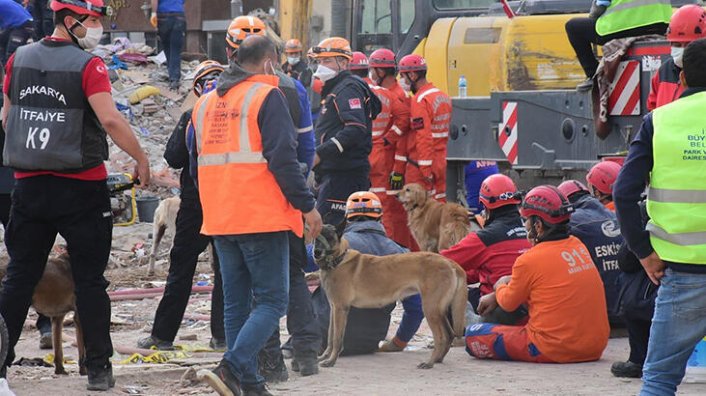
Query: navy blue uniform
{"type": "Point", "coordinates": [345, 139]}
{"type": "Point", "coordinates": [598, 229]}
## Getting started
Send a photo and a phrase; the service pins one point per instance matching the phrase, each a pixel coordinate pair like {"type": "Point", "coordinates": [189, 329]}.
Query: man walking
{"type": "Point", "coordinates": [253, 193]}
{"type": "Point", "coordinates": [57, 111]}
{"type": "Point", "coordinates": [168, 17]}
{"type": "Point", "coordinates": [672, 247]}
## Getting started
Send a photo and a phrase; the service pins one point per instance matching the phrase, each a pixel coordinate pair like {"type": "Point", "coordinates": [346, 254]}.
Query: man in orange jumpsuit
{"type": "Point", "coordinates": [430, 116]}
{"type": "Point", "coordinates": [388, 129]}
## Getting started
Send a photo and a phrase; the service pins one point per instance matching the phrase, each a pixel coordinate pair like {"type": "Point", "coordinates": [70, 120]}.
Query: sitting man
{"type": "Point", "coordinates": [600, 181]}
{"type": "Point", "coordinates": [598, 229]}
{"type": "Point", "coordinates": [560, 284]}
{"type": "Point", "coordinates": [367, 327]}
{"type": "Point", "coordinates": [488, 255]}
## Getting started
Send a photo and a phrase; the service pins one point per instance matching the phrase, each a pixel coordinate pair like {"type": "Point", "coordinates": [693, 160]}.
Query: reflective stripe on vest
{"type": "Point", "coordinates": [624, 15]}
{"type": "Point", "coordinates": [245, 155]}
{"type": "Point", "coordinates": [677, 209]}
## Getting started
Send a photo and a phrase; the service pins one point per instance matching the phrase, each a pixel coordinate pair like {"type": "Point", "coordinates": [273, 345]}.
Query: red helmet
{"type": "Point", "coordinates": [498, 190]}
{"type": "Point", "coordinates": [688, 23]}
{"type": "Point", "coordinates": [411, 63]}
{"type": "Point", "coordinates": [602, 176]}
{"type": "Point", "coordinates": [94, 8]}
{"type": "Point", "coordinates": [363, 203]}
{"type": "Point", "coordinates": [571, 187]}
{"type": "Point", "coordinates": [548, 203]}
{"type": "Point", "coordinates": [359, 61]}
{"type": "Point", "coordinates": [382, 58]}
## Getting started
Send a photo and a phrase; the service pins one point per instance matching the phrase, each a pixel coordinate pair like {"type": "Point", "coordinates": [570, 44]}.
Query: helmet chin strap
{"type": "Point", "coordinates": [70, 30]}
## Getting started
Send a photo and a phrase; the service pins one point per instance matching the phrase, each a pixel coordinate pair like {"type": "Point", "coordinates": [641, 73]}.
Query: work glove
{"type": "Point", "coordinates": [396, 181]}
{"type": "Point", "coordinates": [596, 10]}
{"type": "Point", "coordinates": [153, 20]}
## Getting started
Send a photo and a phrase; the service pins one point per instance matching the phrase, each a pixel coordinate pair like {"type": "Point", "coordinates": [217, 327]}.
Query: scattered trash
{"type": "Point", "coordinates": [142, 93]}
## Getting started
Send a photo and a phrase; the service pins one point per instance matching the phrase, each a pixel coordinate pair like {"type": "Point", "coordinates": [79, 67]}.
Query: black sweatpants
{"type": "Point", "coordinates": [79, 211]}
{"type": "Point", "coordinates": [582, 33]}
{"type": "Point", "coordinates": [43, 322]}
{"type": "Point", "coordinates": [638, 338]}
{"type": "Point", "coordinates": [301, 323]}
{"type": "Point", "coordinates": [188, 244]}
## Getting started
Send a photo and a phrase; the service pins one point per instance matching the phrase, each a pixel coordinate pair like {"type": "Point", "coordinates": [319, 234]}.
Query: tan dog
{"type": "Point", "coordinates": [352, 279]}
{"type": "Point", "coordinates": [436, 226]}
{"type": "Point", "coordinates": [54, 298]}
{"type": "Point", "coordinates": [164, 219]}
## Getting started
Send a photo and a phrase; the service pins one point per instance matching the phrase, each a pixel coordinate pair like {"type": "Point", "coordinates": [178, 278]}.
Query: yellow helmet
{"type": "Point", "coordinates": [333, 46]}
{"type": "Point", "coordinates": [242, 27]}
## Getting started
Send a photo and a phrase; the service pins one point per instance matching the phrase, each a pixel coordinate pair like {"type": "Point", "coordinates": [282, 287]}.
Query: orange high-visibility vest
{"type": "Point", "coordinates": [239, 194]}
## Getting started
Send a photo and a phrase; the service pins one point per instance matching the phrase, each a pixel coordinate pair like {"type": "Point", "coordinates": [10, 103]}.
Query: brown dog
{"type": "Point", "coordinates": [54, 297]}
{"type": "Point", "coordinates": [164, 219]}
{"type": "Point", "coordinates": [436, 226]}
{"type": "Point", "coordinates": [352, 279]}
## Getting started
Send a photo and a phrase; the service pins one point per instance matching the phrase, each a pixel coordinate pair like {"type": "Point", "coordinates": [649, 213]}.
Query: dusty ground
{"type": "Point", "coordinates": [380, 374]}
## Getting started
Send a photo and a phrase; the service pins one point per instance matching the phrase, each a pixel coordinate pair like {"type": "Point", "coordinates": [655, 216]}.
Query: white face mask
{"type": "Point", "coordinates": [405, 85]}
{"type": "Point", "coordinates": [324, 73]}
{"type": "Point", "coordinates": [678, 55]}
{"type": "Point", "coordinates": [92, 37]}
{"type": "Point", "coordinates": [372, 77]}
{"type": "Point", "coordinates": [293, 60]}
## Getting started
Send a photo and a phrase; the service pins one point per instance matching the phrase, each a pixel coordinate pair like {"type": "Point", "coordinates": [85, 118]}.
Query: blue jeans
{"type": "Point", "coordinates": [253, 267]}
{"type": "Point", "coordinates": [679, 323]}
{"type": "Point", "coordinates": [411, 318]}
{"type": "Point", "coordinates": [171, 28]}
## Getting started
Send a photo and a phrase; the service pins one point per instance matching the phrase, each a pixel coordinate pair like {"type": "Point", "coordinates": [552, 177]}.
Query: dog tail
{"type": "Point", "coordinates": [459, 302]}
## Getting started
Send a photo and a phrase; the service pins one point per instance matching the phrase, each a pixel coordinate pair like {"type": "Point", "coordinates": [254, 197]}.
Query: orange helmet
{"type": "Point", "coordinates": [333, 46]}
{"type": "Point", "coordinates": [292, 46]}
{"type": "Point", "coordinates": [363, 203]}
{"type": "Point", "coordinates": [94, 8]}
{"type": "Point", "coordinates": [242, 27]}
{"type": "Point", "coordinates": [206, 71]}
{"type": "Point", "coordinates": [358, 62]}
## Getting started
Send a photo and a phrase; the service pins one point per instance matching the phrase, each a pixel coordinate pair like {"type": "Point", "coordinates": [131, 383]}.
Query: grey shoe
{"type": "Point", "coordinates": [100, 379]}
{"type": "Point", "coordinates": [307, 366]}
{"type": "Point", "coordinates": [45, 341]}
{"type": "Point", "coordinates": [153, 342]}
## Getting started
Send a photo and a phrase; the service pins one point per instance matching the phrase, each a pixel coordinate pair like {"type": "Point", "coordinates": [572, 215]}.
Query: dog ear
{"type": "Point", "coordinates": [340, 228]}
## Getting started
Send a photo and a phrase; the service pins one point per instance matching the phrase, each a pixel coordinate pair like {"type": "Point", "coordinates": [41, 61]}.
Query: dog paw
{"type": "Point", "coordinates": [323, 357]}
{"type": "Point", "coordinates": [328, 363]}
{"type": "Point", "coordinates": [425, 365]}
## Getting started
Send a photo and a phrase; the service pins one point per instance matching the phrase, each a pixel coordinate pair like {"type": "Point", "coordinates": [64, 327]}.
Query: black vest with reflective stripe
{"type": "Point", "coordinates": [51, 126]}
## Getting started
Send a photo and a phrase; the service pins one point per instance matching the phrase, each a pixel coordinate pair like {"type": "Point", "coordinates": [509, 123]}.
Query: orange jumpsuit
{"type": "Point", "coordinates": [425, 151]}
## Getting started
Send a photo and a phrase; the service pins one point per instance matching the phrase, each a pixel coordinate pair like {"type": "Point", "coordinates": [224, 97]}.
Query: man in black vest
{"type": "Point", "coordinates": [56, 113]}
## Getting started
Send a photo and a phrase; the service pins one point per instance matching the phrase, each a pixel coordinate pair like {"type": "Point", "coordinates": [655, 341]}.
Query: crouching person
{"type": "Point", "coordinates": [560, 284]}
{"type": "Point", "coordinates": [367, 327]}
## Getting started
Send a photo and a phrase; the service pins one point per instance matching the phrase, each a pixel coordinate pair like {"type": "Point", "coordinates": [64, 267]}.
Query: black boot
{"type": "Point", "coordinates": [101, 378]}
{"type": "Point", "coordinates": [274, 370]}
{"type": "Point", "coordinates": [626, 370]}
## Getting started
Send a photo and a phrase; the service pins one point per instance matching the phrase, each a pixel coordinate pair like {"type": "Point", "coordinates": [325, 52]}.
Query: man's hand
{"type": "Point", "coordinates": [487, 304]}
{"type": "Point", "coordinates": [317, 159]}
{"type": "Point", "coordinates": [654, 266]}
{"type": "Point", "coordinates": [502, 281]}
{"type": "Point", "coordinates": [153, 20]}
{"type": "Point", "coordinates": [313, 222]}
{"type": "Point", "coordinates": [396, 181]}
{"type": "Point", "coordinates": [142, 172]}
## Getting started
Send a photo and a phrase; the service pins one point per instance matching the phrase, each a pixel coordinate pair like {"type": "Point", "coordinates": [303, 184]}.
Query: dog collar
{"type": "Point", "coordinates": [334, 262]}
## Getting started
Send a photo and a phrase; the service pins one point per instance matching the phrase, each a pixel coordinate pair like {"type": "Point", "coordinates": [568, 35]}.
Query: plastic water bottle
{"type": "Point", "coordinates": [462, 87]}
